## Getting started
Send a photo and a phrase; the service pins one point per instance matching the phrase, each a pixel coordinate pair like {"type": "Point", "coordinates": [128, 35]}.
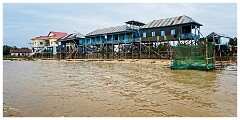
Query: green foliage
{"type": "Point", "coordinates": [23, 47]}
{"type": "Point", "coordinates": [233, 42]}
{"type": "Point", "coordinates": [162, 47]}
{"type": "Point", "coordinates": [6, 49]}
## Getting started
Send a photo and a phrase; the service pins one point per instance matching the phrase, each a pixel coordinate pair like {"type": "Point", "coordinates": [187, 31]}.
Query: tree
{"type": "Point", "coordinates": [14, 47]}
{"type": "Point", "coordinates": [233, 41]}
{"type": "Point", "coordinates": [24, 48]}
{"type": "Point", "coordinates": [6, 49]}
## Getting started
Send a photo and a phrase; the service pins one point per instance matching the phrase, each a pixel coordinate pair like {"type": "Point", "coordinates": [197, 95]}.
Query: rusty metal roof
{"type": "Point", "coordinates": [170, 21]}
{"type": "Point", "coordinates": [108, 30]}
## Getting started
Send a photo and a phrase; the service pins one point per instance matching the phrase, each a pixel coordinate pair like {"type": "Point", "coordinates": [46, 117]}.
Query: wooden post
{"type": "Point", "coordinates": [168, 55]}
{"type": "Point", "coordinates": [60, 52]}
{"type": "Point", "coordinates": [191, 34]}
{"type": "Point", "coordinates": [113, 52]}
{"type": "Point", "coordinates": [125, 50]}
{"type": "Point", "coordinates": [140, 48]}
{"type": "Point", "coordinates": [149, 49]}
{"type": "Point", "coordinates": [118, 47]}
{"type": "Point", "coordinates": [206, 54]}
{"type": "Point", "coordinates": [214, 59]}
{"type": "Point", "coordinates": [132, 50]}
{"type": "Point", "coordinates": [125, 38]}
{"type": "Point", "coordinates": [220, 54]}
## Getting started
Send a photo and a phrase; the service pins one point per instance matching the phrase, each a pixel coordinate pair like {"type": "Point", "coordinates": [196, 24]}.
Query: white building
{"type": "Point", "coordinates": [20, 52]}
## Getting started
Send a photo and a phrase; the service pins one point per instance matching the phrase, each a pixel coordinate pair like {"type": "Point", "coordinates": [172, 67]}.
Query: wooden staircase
{"type": "Point", "coordinates": [33, 53]}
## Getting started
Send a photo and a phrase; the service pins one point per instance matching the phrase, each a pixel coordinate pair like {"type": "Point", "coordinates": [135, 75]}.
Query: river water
{"type": "Point", "coordinates": [112, 89]}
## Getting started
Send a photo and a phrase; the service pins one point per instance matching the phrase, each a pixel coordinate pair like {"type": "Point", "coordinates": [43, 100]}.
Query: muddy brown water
{"type": "Point", "coordinates": [112, 89]}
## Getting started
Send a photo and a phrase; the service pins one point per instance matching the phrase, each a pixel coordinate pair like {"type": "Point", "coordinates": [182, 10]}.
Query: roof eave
{"type": "Point", "coordinates": [108, 33]}
{"type": "Point", "coordinates": [175, 25]}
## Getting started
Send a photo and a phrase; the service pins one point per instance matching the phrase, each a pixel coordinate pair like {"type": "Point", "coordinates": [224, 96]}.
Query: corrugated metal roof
{"type": "Point", "coordinates": [108, 30]}
{"type": "Point", "coordinates": [133, 22]}
{"type": "Point", "coordinates": [170, 21]}
{"type": "Point", "coordinates": [58, 34]}
{"type": "Point", "coordinates": [213, 34]}
{"type": "Point", "coordinates": [79, 35]}
{"type": "Point", "coordinates": [72, 36]}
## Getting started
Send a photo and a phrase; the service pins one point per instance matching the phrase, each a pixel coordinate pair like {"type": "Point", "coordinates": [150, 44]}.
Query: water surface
{"type": "Point", "coordinates": [60, 88]}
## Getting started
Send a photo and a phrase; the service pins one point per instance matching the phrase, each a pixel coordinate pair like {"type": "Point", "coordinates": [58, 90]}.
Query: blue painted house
{"type": "Point", "coordinates": [174, 28]}
{"type": "Point", "coordinates": [70, 42]}
{"type": "Point", "coordinates": [114, 35]}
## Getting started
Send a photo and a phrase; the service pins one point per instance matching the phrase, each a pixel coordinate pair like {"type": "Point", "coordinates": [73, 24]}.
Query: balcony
{"type": "Point", "coordinates": [110, 41]}
{"type": "Point", "coordinates": [190, 36]}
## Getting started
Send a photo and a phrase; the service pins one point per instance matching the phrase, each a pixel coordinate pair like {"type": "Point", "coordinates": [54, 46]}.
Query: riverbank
{"type": "Point", "coordinates": [27, 59]}
{"type": "Point", "coordinates": [157, 61]}
{"type": "Point", "coordinates": [165, 62]}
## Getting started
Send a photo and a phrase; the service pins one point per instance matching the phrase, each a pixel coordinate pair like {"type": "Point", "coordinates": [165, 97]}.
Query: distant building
{"type": "Point", "coordinates": [48, 40]}
{"type": "Point", "coordinates": [70, 44]}
{"type": "Point", "coordinates": [174, 28]}
{"type": "Point", "coordinates": [20, 52]}
{"type": "Point", "coordinates": [47, 43]}
{"type": "Point", "coordinates": [218, 38]}
{"type": "Point", "coordinates": [221, 44]}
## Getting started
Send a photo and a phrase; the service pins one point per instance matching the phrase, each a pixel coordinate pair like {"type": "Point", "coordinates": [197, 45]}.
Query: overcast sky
{"type": "Point", "coordinates": [23, 21]}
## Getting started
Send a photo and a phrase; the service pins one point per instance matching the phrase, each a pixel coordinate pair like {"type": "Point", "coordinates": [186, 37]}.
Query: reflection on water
{"type": "Point", "coordinates": [59, 88]}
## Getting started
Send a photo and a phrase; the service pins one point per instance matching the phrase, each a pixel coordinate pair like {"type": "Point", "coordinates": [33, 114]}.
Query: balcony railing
{"type": "Point", "coordinates": [156, 38]}
{"type": "Point", "coordinates": [190, 36]}
{"type": "Point", "coordinates": [83, 42]}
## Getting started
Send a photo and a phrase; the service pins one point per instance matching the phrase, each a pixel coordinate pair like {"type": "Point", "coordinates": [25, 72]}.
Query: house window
{"type": "Point", "coordinates": [134, 36]}
{"type": "Point", "coordinates": [162, 33]}
{"type": "Point", "coordinates": [41, 43]}
{"type": "Point", "coordinates": [173, 32]}
{"type": "Point", "coordinates": [153, 34]}
{"type": "Point", "coordinates": [116, 38]}
{"type": "Point", "coordinates": [144, 34]}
